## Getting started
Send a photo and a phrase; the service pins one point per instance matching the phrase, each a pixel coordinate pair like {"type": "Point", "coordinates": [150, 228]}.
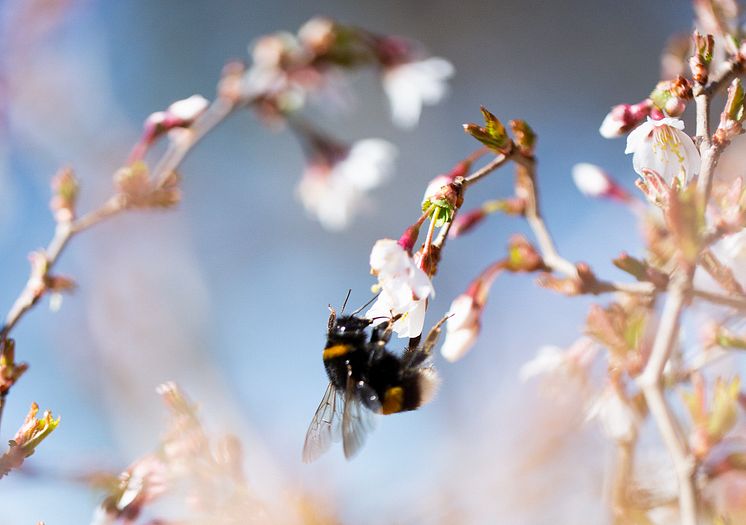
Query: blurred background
{"type": "Point", "coordinates": [227, 294]}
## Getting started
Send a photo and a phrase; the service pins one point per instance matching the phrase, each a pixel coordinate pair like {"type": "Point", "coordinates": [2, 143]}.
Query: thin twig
{"type": "Point", "coordinates": [710, 155]}
{"type": "Point", "coordinates": [2, 406]}
{"type": "Point", "coordinates": [65, 231]}
{"type": "Point", "coordinates": [738, 303]}
{"type": "Point", "coordinates": [635, 288]}
{"type": "Point", "coordinates": [651, 383]}
{"type": "Point", "coordinates": [178, 149]}
{"type": "Point", "coordinates": [486, 170]}
{"type": "Point", "coordinates": [623, 473]}
{"type": "Point", "coordinates": [549, 252]}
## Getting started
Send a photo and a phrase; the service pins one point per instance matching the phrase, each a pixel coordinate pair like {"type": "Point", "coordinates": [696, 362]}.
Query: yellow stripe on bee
{"type": "Point", "coordinates": [393, 400]}
{"type": "Point", "coordinates": [336, 351]}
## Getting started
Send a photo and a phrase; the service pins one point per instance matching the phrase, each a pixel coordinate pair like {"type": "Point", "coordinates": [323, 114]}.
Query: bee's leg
{"type": "Point", "coordinates": [416, 353]}
{"type": "Point", "coordinates": [432, 336]}
{"type": "Point", "coordinates": [382, 333]}
{"type": "Point", "coordinates": [332, 319]}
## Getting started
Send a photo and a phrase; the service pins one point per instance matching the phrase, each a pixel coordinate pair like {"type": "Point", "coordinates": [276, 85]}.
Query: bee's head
{"type": "Point", "coordinates": [347, 324]}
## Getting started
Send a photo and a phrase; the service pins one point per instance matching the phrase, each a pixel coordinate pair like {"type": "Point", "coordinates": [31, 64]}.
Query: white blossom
{"type": "Point", "coordinates": [462, 327]}
{"type": "Point", "coordinates": [369, 163]}
{"type": "Point", "coordinates": [410, 85]}
{"type": "Point", "coordinates": [731, 250]}
{"type": "Point", "coordinates": [663, 147]}
{"type": "Point", "coordinates": [552, 360]}
{"type": "Point", "coordinates": [619, 421]}
{"type": "Point", "coordinates": [404, 288]}
{"type": "Point", "coordinates": [335, 194]}
{"type": "Point", "coordinates": [549, 359]}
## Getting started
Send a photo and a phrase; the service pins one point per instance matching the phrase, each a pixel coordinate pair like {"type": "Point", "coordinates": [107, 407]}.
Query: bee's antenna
{"type": "Point", "coordinates": [345, 301]}
{"type": "Point", "coordinates": [365, 305]}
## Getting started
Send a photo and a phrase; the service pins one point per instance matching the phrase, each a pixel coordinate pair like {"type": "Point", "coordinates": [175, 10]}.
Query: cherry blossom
{"type": "Point", "coordinates": [411, 85]}
{"type": "Point", "coordinates": [732, 252]}
{"type": "Point", "coordinates": [404, 286]}
{"type": "Point", "coordinates": [663, 147]}
{"type": "Point", "coordinates": [562, 362]}
{"type": "Point", "coordinates": [335, 191]}
{"type": "Point", "coordinates": [619, 421]}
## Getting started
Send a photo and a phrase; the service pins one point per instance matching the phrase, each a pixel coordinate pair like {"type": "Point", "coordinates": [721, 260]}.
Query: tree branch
{"type": "Point", "coordinates": [651, 383]}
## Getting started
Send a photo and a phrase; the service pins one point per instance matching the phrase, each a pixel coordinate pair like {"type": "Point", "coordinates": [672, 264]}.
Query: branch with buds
{"type": "Point", "coordinates": [692, 221]}
{"type": "Point", "coordinates": [287, 71]}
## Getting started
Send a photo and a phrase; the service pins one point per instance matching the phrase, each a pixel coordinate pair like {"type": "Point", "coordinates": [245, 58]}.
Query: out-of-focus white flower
{"type": "Point", "coordinates": [404, 286]}
{"type": "Point", "coordinates": [462, 327]}
{"type": "Point", "coordinates": [619, 421]}
{"type": "Point", "coordinates": [731, 250]}
{"type": "Point", "coordinates": [662, 146]}
{"type": "Point", "coordinates": [369, 163]}
{"type": "Point", "coordinates": [664, 515]}
{"type": "Point", "coordinates": [562, 362]}
{"type": "Point", "coordinates": [410, 85]}
{"type": "Point", "coordinates": [549, 359]}
{"type": "Point", "coordinates": [655, 476]}
{"type": "Point", "coordinates": [623, 118]}
{"type": "Point", "coordinates": [335, 192]}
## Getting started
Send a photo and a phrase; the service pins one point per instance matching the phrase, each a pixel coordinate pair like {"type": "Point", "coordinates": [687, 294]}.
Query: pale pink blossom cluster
{"type": "Point", "coordinates": [404, 288]}
{"type": "Point", "coordinates": [334, 192]}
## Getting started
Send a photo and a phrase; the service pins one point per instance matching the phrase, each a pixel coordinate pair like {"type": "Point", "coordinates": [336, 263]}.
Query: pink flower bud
{"type": "Point", "coordinates": [318, 34]}
{"type": "Point", "coordinates": [188, 109]}
{"type": "Point", "coordinates": [180, 114]}
{"type": "Point", "coordinates": [623, 118]}
{"type": "Point", "coordinates": [465, 313]}
{"type": "Point", "coordinates": [409, 238]}
{"type": "Point", "coordinates": [594, 182]}
{"type": "Point", "coordinates": [463, 327]}
{"type": "Point", "coordinates": [464, 222]}
{"type": "Point", "coordinates": [675, 106]}
{"type": "Point", "coordinates": [591, 180]}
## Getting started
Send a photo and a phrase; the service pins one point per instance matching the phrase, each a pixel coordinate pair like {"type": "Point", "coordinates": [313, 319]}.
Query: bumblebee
{"type": "Point", "coordinates": [365, 379]}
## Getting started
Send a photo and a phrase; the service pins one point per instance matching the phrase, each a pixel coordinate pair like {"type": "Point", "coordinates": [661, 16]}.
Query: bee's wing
{"type": "Point", "coordinates": [325, 425]}
{"type": "Point", "coordinates": [357, 420]}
